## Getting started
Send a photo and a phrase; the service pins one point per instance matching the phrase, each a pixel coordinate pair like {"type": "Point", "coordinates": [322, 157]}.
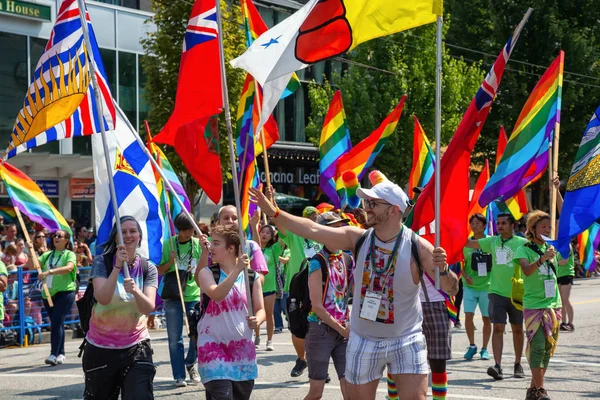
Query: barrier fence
{"type": "Point", "coordinates": [25, 316]}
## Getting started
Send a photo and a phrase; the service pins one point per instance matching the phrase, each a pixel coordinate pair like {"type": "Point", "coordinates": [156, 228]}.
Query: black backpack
{"type": "Point", "coordinates": [298, 302]}
{"type": "Point", "coordinates": [86, 303]}
{"type": "Point", "coordinates": [199, 309]}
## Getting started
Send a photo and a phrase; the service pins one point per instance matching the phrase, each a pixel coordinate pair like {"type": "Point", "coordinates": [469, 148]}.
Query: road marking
{"type": "Point", "coordinates": [524, 361]}
{"type": "Point", "coordinates": [283, 385]}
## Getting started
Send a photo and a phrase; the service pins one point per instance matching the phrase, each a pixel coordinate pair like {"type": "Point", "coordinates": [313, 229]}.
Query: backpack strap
{"type": "Point", "coordinates": [360, 242]}
{"type": "Point", "coordinates": [414, 249]}
{"type": "Point", "coordinates": [216, 271]}
{"type": "Point", "coordinates": [108, 263]}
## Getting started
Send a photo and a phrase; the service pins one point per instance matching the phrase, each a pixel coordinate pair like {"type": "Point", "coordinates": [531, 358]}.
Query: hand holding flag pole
{"type": "Point", "coordinates": [236, 186]}
{"type": "Point", "coordinates": [111, 183]}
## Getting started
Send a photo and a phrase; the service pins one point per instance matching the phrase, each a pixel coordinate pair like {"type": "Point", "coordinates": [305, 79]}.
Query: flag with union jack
{"type": "Point", "coordinates": [454, 166]}
{"type": "Point", "coordinates": [191, 129]}
{"type": "Point", "coordinates": [60, 102]}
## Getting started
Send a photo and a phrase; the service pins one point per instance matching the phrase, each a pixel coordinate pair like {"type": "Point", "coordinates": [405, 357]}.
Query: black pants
{"type": "Point", "coordinates": [109, 372]}
{"type": "Point", "coordinates": [458, 299]}
{"type": "Point", "coordinates": [63, 303]}
{"type": "Point", "coordinates": [228, 390]}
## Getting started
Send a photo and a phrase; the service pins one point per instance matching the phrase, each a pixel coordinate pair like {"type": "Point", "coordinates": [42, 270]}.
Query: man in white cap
{"type": "Point", "coordinates": [385, 323]}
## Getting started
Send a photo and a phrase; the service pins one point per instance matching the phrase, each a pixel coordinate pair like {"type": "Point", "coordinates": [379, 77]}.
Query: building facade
{"type": "Point", "coordinates": [64, 169]}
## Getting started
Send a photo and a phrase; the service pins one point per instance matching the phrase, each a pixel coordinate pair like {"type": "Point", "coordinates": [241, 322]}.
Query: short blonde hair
{"type": "Point", "coordinates": [533, 219]}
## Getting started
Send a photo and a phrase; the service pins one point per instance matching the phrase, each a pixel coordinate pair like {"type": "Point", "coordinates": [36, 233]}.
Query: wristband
{"type": "Point", "coordinates": [277, 213]}
{"type": "Point", "coordinates": [444, 272]}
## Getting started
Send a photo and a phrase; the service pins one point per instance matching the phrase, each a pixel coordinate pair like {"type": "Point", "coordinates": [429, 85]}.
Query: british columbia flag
{"type": "Point", "coordinates": [60, 101]}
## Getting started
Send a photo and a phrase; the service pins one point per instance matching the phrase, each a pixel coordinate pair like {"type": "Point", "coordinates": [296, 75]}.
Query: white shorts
{"type": "Point", "coordinates": [367, 359]}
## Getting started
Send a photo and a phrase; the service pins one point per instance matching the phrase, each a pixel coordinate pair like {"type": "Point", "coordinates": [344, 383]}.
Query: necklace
{"type": "Point", "coordinates": [53, 264]}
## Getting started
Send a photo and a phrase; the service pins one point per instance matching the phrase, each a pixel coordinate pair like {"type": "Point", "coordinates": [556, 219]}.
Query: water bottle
{"type": "Point", "coordinates": [293, 305]}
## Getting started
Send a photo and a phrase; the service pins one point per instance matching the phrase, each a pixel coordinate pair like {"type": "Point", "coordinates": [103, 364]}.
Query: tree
{"type": "Point", "coordinates": [162, 69]}
{"type": "Point", "coordinates": [405, 64]}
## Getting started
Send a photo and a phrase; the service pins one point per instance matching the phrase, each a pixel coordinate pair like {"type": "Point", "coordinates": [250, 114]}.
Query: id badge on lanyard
{"type": "Point", "coordinates": [481, 269]}
{"type": "Point", "coordinates": [370, 306]}
{"type": "Point", "coordinates": [549, 288]}
{"type": "Point", "coordinates": [501, 257]}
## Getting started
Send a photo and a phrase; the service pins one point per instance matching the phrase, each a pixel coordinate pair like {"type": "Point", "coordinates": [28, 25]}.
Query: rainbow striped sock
{"type": "Point", "coordinates": [439, 385]}
{"type": "Point", "coordinates": [392, 391]}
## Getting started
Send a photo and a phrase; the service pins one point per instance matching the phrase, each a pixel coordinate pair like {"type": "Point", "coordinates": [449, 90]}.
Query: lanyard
{"type": "Point", "coordinates": [389, 261]}
{"type": "Point", "coordinates": [189, 255]}
{"type": "Point", "coordinates": [548, 263]}
{"type": "Point", "coordinates": [504, 241]}
{"type": "Point", "coordinates": [51, 263]}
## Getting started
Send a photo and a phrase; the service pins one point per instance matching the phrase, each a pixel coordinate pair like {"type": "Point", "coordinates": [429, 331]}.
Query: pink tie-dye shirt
{"type": "Point", "coordinates": [225, 347]}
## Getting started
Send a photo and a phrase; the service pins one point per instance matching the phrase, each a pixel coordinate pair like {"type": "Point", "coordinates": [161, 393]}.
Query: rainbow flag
{"type": "Point", "coordinates": [334, 143]}
{"type": "Point", "coordinates": [588, 242]}
{"type": "Point", "coordinates": [484, 176]}
{"type": "Point", "coordinates": [362, 156]}
{"type": "Point", "coordinates": [526, 154]}
{"type": "Point", "coordinates": [8, 214]}
{"type": "Point", "coordinates": [27, 196]}
{"type": "Point", "coordinates": [423, 160]}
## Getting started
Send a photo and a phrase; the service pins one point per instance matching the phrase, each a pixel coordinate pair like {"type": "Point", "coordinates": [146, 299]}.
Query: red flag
{"type": "Point", "coordinates": [199, 97]}
{"type": "Point", "coordinates": [454, 166]}
{"type": "Point", "coordinates": [484, 176]}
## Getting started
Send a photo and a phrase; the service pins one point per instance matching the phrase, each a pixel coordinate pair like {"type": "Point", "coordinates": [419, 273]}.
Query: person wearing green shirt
{"type": "Point", "coordinates": [476, 283]}
{"type": "Point", "coordinates": [183, 251]}
{"type": "Point", "coordinates": [280, 302]}
{"type": "Point", "coordinates": [541, 300]}
{"type": "Point", "coordinates": [58, 272]}
{"type": "Point", "coordinates": [272, 249]}
{"type": "Point", "coordinates": [565, 274]}
{"type": "Point", "coordinates": [3, 287]}
{"type": "Point", "coordinates": [503, 249]}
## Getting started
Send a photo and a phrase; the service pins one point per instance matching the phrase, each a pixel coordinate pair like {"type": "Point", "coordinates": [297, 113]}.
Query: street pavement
{"type": "Point", "coordinates": [573, 373]}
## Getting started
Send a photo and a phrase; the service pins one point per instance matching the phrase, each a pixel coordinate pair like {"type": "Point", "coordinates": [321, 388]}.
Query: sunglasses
{"type": "Point", "coordinates": [370, 203]}
{"type": "Point", "coordinates": [59, 237]}
{"type": "Point", "coordinates": [40, 237]}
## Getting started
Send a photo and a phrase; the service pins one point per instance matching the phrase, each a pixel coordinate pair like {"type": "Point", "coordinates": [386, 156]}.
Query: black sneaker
{"type": "Point", "coordinates": [532, 394]}
{"type": "Point", "coordinates": [565, 328]}
{"type": "Point", "coordinates": [542, 394]}
{"type": "Point", "coordinates": [519, 371]}
{"type": "Point", "coordinates": [495, 372]}
{"type": "Point", "coordinates": [328, 379]}
{"type": "Point", "coordinates": [298, 368]}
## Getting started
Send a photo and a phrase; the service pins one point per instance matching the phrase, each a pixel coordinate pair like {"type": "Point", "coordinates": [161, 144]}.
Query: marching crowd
{"type": "Point", "coordinates": [355, 289]}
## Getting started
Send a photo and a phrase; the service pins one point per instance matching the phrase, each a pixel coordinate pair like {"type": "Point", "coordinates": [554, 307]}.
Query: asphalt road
{"type": "Point", "coordinates": [574, 372]}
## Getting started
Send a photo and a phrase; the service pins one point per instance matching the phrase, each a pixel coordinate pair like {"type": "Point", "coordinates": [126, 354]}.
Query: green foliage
{"type": "Point", "coordinates": [162, 69]}
{"type": "Point", "coordinates": [369, 95]}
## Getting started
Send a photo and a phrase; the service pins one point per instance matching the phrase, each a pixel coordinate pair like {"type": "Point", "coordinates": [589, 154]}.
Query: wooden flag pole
{"type": "Point", "coordinates": [236, 186]}
{"type": "Point", "coordinates": [100, 111]}
{"type": "Point", "coordinates": [169, 220]}
{"type": "Point", "coordinates": [36, 262]}
{"type": "Point", "coordinates": [553, 174]}
{"type": "Point", "coordinates": [262, 136]}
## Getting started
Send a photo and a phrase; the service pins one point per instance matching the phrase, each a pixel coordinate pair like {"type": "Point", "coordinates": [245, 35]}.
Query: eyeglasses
{"type": "Point", "coordinates": [370, 203]}
{"type": "Point", "coordinates": [59, 237]}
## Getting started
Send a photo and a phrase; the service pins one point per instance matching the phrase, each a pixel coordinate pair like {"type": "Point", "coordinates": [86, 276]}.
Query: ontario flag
{"type": "Point", "coordinates": [193, 128]}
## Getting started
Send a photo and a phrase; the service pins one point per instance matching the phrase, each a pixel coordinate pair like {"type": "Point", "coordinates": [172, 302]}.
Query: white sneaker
{"type": "Point", "coordinates": [180, 383]}
{"type": "Point", "coordinates": [51, 360]}
{"type": "Point", "coordinates": [61, 359]}
{"type": "Point", "coordinates": [257, 342]}
{"type": "Point", "coordinates": [270, 345]}
{"type": "Point", "coordinates": [194, 376]}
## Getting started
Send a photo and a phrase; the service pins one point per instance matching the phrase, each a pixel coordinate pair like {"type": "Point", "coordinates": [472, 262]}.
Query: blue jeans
{"type": "Point", "coordinates": [280, 307]}
{"type": "Point", "coordinates": [63, 303]}
{"type": "Point", "coordinates": [174, 315]}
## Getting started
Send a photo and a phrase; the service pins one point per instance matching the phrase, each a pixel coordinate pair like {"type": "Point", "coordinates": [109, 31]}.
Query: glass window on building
{"type": "Point", "coordinates": [127, 86]}
{"type": "Point", "coordinates": [144, 108]}
{"type": "Point", "coordinates": [13, 81]}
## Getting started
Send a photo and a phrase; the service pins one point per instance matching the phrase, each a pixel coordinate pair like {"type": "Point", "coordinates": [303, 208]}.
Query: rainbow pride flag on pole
{"type": "Point", "coordinates": [334, 143]}
{"type": "Point", "coordinates": [27, 196]}
{"type": "Point", "coordinates": [423, 160]}
{"type": "Point", "coordinates": [526, 154]}
{"type": "Point", "coordinates": [362, 156]}
{"type": "Point", "coordinates": [588, 242]}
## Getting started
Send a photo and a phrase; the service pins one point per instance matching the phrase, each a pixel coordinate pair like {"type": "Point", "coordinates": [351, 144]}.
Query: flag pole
{"type": "Point", "coordinates": [236, 186]}
{"type": "Point", "coordinates": [263, 142]}
{"type": "Point", "coordinates": [438, 138]}
{"type": "Point", "coordinates": [100, 111]}
{"type": "Point", "coordinates": [553, 174]}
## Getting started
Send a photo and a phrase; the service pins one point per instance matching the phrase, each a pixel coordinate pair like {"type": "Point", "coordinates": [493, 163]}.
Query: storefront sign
{"type": "Point", "coordinates": [25, 9]}
{"type": "Point", "coordinates": [81, 188]}
{"type": "Point", "coordinates": [50, 188]}
{"type": "Point", "coordinates": [299, 177]}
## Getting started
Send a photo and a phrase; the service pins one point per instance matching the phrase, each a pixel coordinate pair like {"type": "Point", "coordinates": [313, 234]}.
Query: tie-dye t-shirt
{"type": "Point", "coordinates": [120, 325]}
{"type": "Point", "coordinates": [225, 347]}
{"type": "Point", "coordinates": [336, 297]}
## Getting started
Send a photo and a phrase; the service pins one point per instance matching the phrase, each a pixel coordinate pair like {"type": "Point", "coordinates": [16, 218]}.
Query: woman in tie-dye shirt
{"type": "Point", "coordinates": [226, 355]}
{"type": "Point", "coordinates": [117, 356]}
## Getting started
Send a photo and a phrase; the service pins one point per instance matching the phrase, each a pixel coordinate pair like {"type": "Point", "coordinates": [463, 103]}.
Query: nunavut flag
{"type": "Point", "coordinates": [324, 29]}
{"type": "Point", "coordinates": [192, 128]}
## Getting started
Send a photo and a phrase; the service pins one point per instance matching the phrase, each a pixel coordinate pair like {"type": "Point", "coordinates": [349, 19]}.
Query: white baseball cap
{"type": "Point", "coordinates": [388, 191]}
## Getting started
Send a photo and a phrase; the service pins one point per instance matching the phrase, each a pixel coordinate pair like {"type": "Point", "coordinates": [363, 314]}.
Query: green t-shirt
{"type": "Point", "coordinates": [480, 283]}
{"type": "Point", "coordinates": [503, 267]}
{"type": "Point", "coordinates": [59, 283]}
{"type": "Point", "coordinates": [187, 255]}
{"type": "Point", "coordinates": [300, 248]}
{"type": "Point", "coordinates": [3, 272]}
{"type": "Point", "coordinates": [272, 254]}
{"type": "Point", "coordinates": [567, 269]}
{"type": "Point", "coordinates": [534, 296]}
